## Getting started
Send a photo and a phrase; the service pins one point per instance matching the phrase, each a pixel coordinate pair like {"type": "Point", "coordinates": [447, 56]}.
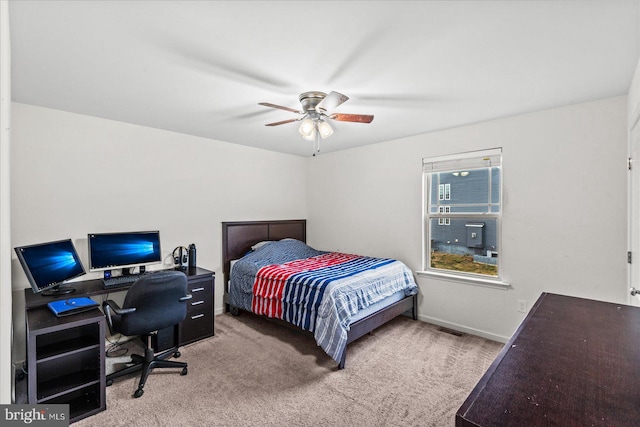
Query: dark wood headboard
{"type": "Point", "coordinates": [239, 236]}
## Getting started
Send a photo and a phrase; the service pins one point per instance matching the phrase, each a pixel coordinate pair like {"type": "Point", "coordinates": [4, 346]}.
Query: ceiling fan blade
{"type": "Point", "coordinates": [268, 104]}
{"type": "Point", "coordinates": [358, 118]}
{"type": "Point", "coordinates": [331, 101]}
{"type": "Point", "coordinates": [283, 122]}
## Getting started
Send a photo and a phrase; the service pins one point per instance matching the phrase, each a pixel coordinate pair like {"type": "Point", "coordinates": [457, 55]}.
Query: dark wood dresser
{"type": "Point", "coordinates": [572, 362]}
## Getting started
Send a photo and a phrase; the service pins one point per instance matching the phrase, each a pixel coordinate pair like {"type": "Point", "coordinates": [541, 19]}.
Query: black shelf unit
{"type": "Point", "coordinates": [65, 360]}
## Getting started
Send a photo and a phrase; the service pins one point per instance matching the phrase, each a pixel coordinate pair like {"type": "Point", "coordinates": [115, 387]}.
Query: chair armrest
{"type": "Point", "coordinates": [186, 297]}
{"type": "Point", "coordinates": [110, 305]}
{"type": "Point", "coordinates": [116, 308]}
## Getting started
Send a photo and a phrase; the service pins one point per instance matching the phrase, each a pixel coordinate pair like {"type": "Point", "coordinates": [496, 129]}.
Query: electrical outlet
{"type": "Point", "coordinates": [522, 306]}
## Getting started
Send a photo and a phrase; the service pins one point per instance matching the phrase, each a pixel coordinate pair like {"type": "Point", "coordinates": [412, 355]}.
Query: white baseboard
{"type": "Point", "coordinates": [465, 329]}
{"type": "Point", "coordinates": [437, 322]}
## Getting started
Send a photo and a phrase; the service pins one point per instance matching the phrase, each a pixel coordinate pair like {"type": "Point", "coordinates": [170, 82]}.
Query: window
{"type": "Point", "coordinates": [443, 210]}
{"type": "Point", "coordinates": [444, 192]}
{"type": "Point", "coordinates": [462, 211]}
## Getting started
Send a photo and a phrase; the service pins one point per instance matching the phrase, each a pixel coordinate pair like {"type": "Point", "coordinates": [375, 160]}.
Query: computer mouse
{"type": "Point", "coordinates": [72, 302]}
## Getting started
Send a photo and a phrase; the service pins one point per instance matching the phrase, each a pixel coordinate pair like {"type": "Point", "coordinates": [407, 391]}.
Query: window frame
{"type": "Point", "coordinates": [445, 215]}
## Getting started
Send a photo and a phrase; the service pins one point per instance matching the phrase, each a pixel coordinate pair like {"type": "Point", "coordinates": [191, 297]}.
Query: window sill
{"type": "Point", "coordinates": [479, 281]}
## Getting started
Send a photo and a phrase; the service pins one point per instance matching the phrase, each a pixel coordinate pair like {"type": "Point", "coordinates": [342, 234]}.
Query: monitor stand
{"type": "Point", "coordinates": [57, 290]}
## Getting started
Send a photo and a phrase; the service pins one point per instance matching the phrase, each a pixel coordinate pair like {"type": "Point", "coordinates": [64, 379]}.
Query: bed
{"type": "Point", "coordinates": [340, 321]}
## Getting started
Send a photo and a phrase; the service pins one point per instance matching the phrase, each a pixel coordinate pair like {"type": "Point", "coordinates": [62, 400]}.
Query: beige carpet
{"type": "Point", "coordinates": [258, 373]}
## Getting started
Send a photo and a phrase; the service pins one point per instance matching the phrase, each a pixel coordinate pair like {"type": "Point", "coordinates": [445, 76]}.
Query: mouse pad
{"type": "Point", "coordinates": [71, 306]}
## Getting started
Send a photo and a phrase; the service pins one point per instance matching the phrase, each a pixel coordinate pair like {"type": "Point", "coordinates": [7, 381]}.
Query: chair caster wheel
{"type": "Point", "coordinates": [139, 392]}
{"type": "Point", "coordinates": [184, 371]}
{"type": "Point", "coordinates": [176, 354]}
{"type": "Point", "coordinates": [109, 382]}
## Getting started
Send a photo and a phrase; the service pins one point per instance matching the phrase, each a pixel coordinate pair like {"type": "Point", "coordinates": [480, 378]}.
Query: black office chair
{"type": "Point", "coordinates": [154, 302]}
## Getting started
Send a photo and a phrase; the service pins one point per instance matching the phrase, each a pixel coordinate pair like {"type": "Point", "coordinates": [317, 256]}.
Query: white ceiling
{"type": "Point", "coordinates": [202, 67]}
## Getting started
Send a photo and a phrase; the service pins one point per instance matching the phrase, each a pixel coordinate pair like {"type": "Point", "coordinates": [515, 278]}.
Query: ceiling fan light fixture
{"type": "Point", "coordinates": [310, 137]}
{"type": "Point", "coordinates": [307, 128]}
{"type": "Point", "coordinates": [315, 112]}
{"type": "Point", "coordinates": [324, 129]}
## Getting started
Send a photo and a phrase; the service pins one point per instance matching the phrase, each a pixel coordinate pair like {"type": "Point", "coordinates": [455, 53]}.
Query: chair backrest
{"type": "Point", "coordinates": [156, 298]}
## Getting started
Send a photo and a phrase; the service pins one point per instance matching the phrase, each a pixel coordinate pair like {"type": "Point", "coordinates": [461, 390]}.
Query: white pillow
{"type": "Point", "coordinates": [260, 244]}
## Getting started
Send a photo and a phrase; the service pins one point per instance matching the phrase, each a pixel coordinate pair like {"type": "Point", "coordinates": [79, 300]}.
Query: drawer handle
{"type": "Point", "coordinates": [197, 316]}
{"type": "Point", "coordinates": [197, 290]}
{"type": "Point", "coordinates": [197, 303]}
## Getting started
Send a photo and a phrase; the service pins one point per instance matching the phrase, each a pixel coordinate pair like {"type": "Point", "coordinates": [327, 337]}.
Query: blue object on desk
{"type": "Point", "coordinates": [71, 306]}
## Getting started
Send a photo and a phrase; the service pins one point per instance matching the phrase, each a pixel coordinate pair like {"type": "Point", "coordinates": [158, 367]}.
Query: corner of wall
{"type": "Point", "coordinates": [6, 370]}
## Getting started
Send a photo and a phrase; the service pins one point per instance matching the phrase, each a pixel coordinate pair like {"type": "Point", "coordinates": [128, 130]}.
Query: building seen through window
{"type": "Point", "coordinates": [463, 212]}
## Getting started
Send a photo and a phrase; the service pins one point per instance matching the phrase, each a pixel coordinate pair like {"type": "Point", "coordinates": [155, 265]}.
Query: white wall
{"type": "Point", "coordinates": [564, 220]}
{"type": "Point", "coordinates": [74, 174]}
{"type": "Point", "coordinates": [564, 225]}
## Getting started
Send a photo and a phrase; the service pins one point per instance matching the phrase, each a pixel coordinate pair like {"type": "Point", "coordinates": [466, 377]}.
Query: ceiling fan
{"type": "Point", "coordinates": [317, 107]}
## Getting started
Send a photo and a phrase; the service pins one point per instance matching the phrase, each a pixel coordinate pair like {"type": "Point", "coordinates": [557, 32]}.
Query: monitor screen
{"type": "Point", "coordinates": [50, 264]}
{"type": "Point", "coordinates": [122, 250]}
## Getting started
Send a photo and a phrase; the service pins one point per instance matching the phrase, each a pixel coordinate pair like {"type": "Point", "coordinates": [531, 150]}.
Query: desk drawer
{"type": "Point", "coordinates": [199, 321]}
{"type": "Point", "coordinates": [198, 324]}
{"type": "Point", "coordinates": [199, 301]}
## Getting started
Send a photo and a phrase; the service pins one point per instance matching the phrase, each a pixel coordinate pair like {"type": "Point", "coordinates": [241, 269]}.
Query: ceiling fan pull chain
{"type": "Point", "coordinates": [317, 141]}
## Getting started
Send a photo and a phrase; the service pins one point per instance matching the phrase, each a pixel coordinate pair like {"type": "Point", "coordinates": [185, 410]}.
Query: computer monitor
{"type": "Point", "coordinates": [49, 265]}
{"type": "Point", "coordinates": [108, 251]}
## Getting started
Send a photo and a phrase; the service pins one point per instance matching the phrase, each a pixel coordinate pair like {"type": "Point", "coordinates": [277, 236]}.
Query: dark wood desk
{"type": "Point", "coordinates": [94, 287]}
{"type": "Point", "coordinates": [65, 356]}
{"type": "Point", "coordinates": [572, 362]}
{"type": "Point", "coordinates": [198, 324]}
